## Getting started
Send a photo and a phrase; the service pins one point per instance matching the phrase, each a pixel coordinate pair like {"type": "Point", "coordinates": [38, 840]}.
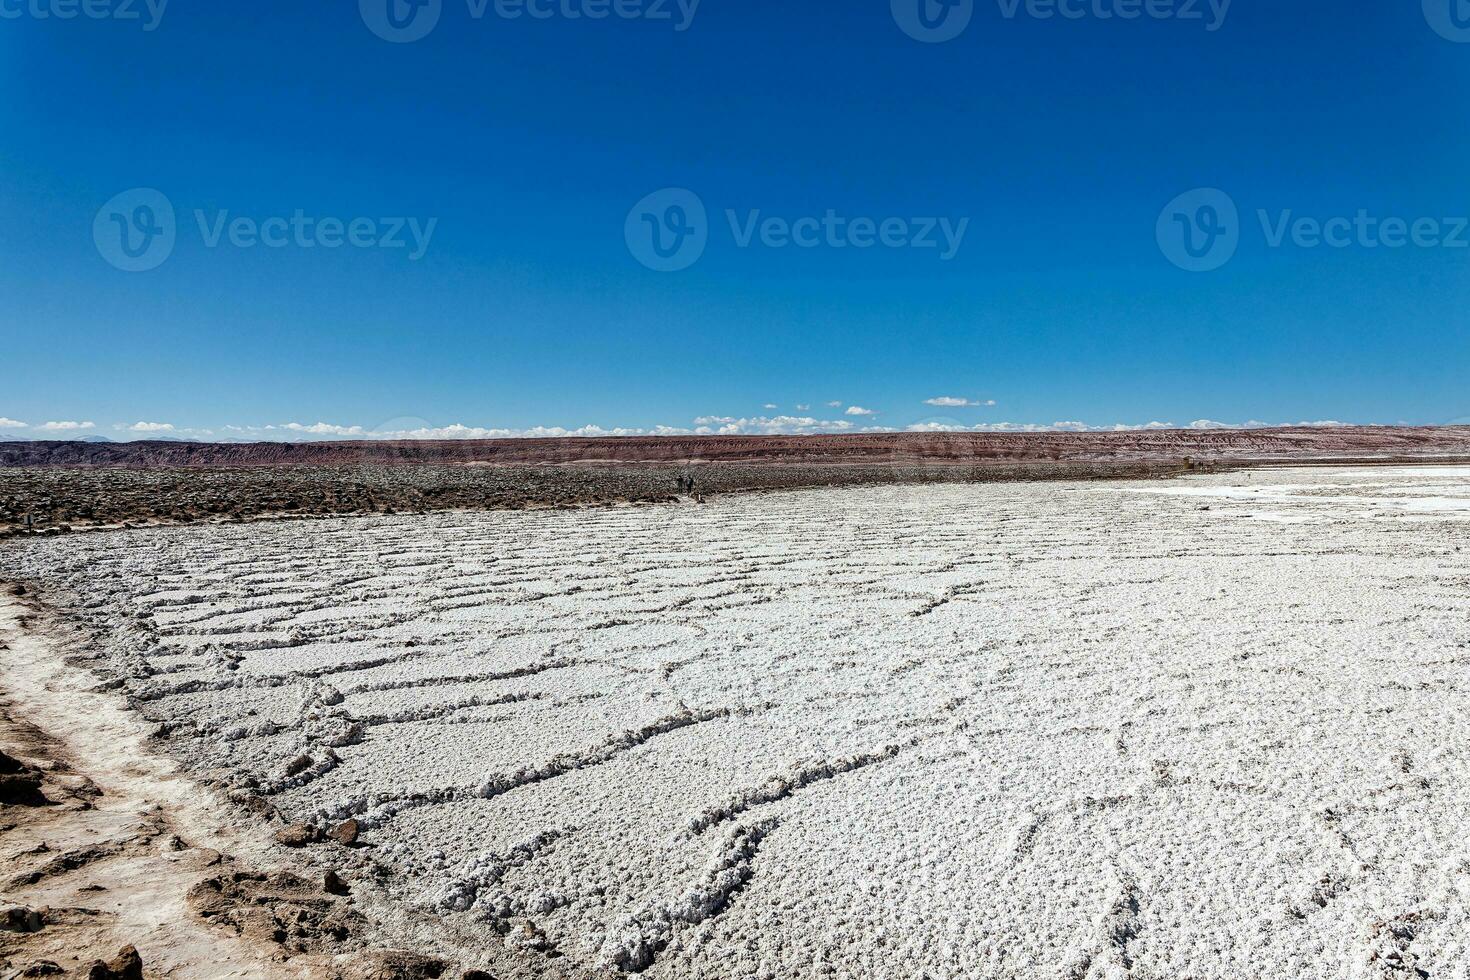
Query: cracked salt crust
{"type": "Point", "coordinates": [963, 731]}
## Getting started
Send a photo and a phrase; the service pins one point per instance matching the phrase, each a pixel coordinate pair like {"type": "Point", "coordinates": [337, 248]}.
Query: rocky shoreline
{"type": "Point", "coordinates": [61, 499]}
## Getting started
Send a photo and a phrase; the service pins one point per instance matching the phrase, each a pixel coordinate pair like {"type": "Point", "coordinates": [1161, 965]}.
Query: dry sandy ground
{"type": "Point", "coordinates": [93, 858]}
{"type": "Point", "coordinates": [1209, 729]}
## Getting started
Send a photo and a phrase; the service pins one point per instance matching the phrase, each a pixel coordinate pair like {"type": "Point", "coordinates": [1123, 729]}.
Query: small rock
{"type": "Point", "coordinates": [526, 936]}
{"type": "Point", "coordinates": [127, 965]}
{"type": "Point", "coordinates": [42, 968]}
{"type": "Point", "coordinates": [22, 789]}
{"type": "Point", "coordinates": [345, 833]}
{"type": "Point", "coordinates": [299, 835]}
{"type": "Point", "coordinates": [477, 975]}
{"type": "Point", "coordinates": [18, 918]}
{"type": "Point", "coordinates": [392, 964]}
{"type": "Point", "coordinates": [333, 884]}
{"type": "Point", "coordinates": [256, 804]}
{"type": "Point", "coordinates": [298, 765]}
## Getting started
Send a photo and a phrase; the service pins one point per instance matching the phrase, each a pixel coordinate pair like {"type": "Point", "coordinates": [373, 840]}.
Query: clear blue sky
{"type": "Point", "coordinates": [529, 140]}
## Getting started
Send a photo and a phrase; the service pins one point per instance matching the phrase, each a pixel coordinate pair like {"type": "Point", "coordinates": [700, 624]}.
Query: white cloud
{"type": "Point", "coordinates": [834, 404]}
{"type": "Point", "coordinates": [769, 407]}
{"type": "Point", "coordinates": [151, 427]}
{"type": "Point", "coordinates": [764, 425]}
{"type": "Point", "coordinates": [6, 423]}
{"type": "Point", "coordinates": [1198, 425]}
{"type": "Point", "coordinates": [1023, 427]}
{"type": "Point", "coordinates": [536, 432]}
{"type": "Point", "coordinates": [1256, 424]}
{"type": "Point", "coordinates": [802, 408]}
{"type": "Point", "coordinates": [289, 430]}
{"type": "Point", "coordinates": [324, 429]}
{"type": "Point", "coordinates": [780, 425]}
{"type": "Point", "coordinates": [459, 431]}
{"type": "Point", "coordinates": [948, 401]}
{"type": "Point", "coordinates": [66, 426]}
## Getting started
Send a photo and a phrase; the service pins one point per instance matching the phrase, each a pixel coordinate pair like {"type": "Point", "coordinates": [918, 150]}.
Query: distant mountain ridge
{"type": "Point", "coordinates": [1286, 444]}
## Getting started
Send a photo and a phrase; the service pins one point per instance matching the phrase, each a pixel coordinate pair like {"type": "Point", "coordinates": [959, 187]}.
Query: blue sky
{"type": "Point", "coordinates": [519, 147]}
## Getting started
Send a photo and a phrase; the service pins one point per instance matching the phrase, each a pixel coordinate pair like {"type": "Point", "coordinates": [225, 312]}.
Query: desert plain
{"type": "Point", "coordinates": [1207, 727]}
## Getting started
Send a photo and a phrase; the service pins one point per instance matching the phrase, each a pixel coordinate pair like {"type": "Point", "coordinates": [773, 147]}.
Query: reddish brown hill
{"type": "Point", "coordinates": [1211, 444]}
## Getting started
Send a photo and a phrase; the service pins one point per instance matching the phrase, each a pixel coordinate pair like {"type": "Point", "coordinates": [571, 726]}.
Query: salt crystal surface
{"type": "Point", "coordinates": [957, 731]}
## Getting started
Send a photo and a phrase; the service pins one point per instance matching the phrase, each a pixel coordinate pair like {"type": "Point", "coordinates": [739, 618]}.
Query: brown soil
{"type": "Point", "coordinates": [882, 448]}
{"type": "Point", "coordinates": [56, 487]}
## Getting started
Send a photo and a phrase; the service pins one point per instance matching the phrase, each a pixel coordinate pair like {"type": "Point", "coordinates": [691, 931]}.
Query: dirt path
{"type": "Point", "coordinates": [115, 865]}
{"type": "Point", "coordinates": [109, 859]}
{"type": "Point", "coordinates": [110, 851]}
